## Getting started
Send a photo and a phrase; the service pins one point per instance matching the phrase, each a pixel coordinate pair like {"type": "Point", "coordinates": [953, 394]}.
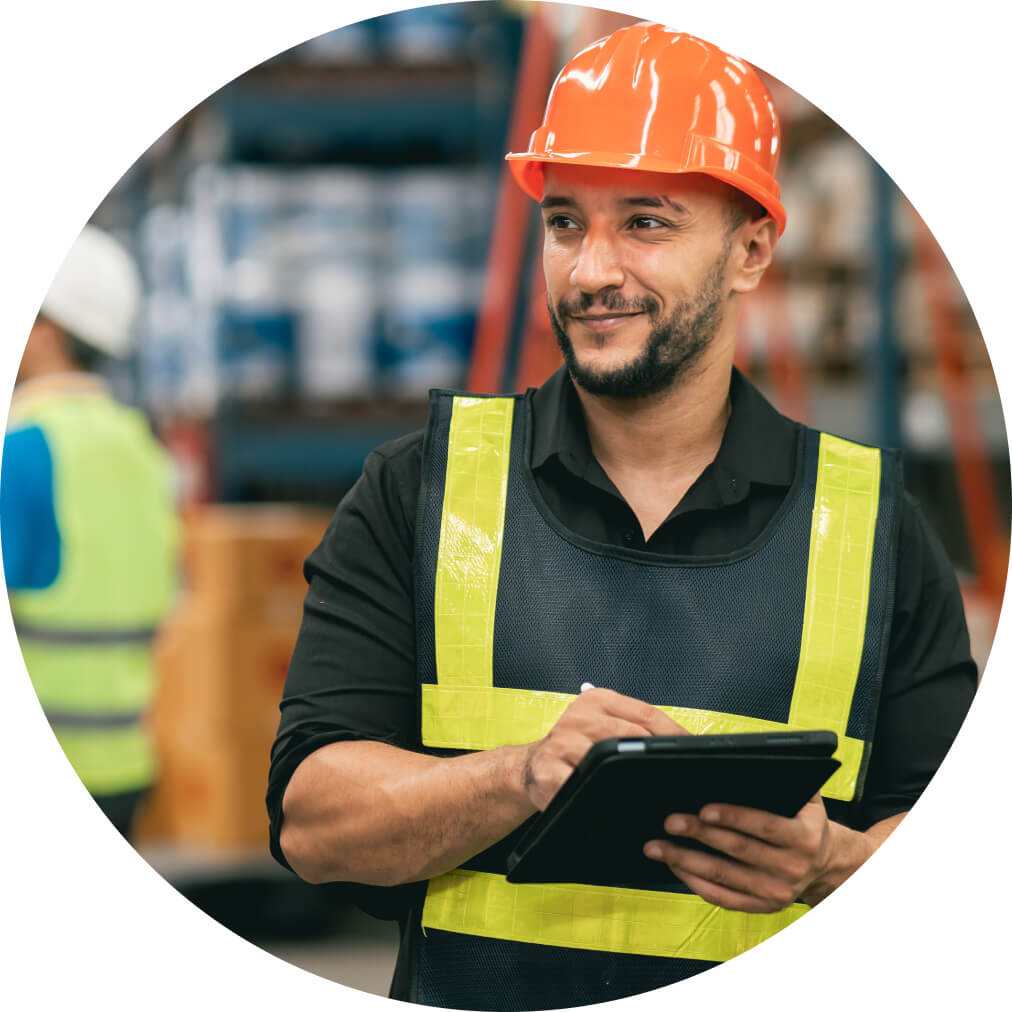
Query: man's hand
{"type": "Point", "coordinates": [593, 716]}
{"type": "Point", "coordinates": [772, 861]}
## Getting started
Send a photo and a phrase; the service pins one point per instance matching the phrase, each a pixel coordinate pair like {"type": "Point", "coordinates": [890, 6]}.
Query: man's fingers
{"type": "Point", "coordinates": [743, 848]}
{"type": "Point", "coordinates": [661, 724]}
{"type": "Point", "coordinates": [775, 830]}
{"type": "Point", "coordinates": [729, 899]}
{"type": "Point", "coordinates": [648, 720]}
{"type": "Point", "coordinates": [594, 715]}
{"type": "Point", "coordinates": [709, 876]}
{"type": "Point", "coordinates": [571, 744]}
{"type": "Point", "coordinates": [761, 855]}
{"type": "Point", "coordinates": [574, 746]}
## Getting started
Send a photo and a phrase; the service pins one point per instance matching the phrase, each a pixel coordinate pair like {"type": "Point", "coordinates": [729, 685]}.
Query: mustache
{"type": "Point", "coordinates": [610, 300]}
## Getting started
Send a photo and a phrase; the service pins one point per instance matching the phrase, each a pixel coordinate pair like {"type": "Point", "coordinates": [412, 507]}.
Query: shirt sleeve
{"type": "Point", "coordinates": [29, 537]}
{"type": "Point", "coordinates": [352, 672]}
{"type": "Point", "coordinates": [930, 676]}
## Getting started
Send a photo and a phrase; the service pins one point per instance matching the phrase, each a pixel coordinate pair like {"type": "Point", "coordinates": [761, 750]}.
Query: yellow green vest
{"type": "Point", "coordinates": [513, 612]}
{"type": "Point", "coordinates": [86, 639]}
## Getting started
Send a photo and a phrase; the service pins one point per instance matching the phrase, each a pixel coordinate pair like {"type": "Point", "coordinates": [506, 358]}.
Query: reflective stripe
{"type": "Point", "coordinates": [470, 538]}
{"type": "Point", "coordinates": [836, 598]}
{"type": "Point", "coordinates": [92, 721]}
{"type": "Point", "coordinates": [483, 717]}
{"type": "Point", "coordinates": [602, 918]}
{"type": "Point", "coordinates": [84, 637]}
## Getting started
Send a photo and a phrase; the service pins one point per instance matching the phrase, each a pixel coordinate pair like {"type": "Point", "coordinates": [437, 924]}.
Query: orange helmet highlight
{"type": "Point", "coordinates": [651, 98]}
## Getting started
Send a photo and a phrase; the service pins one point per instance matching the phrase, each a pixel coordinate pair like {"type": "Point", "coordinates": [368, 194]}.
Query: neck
{"type": "Point", "coordinates": [667, 433]}
{"type": "Point", "coordinates": [72, 381]}
{"type": "Point", "coordinates": [45, 356]}
{"type": "Point", "coordinates": [654, 448]}
{"type": "Point", "coordinates": [57, 370]}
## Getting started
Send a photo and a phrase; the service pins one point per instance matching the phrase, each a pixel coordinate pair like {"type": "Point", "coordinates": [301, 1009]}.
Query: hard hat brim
{"type": "Point", "coordinates": [528, 168]}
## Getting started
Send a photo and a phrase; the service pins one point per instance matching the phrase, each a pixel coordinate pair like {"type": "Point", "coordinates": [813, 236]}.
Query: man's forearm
{"type": "Point", "coordinates": [362, 811]}
{"type": "Point", "coordinates": [368, 812]}
{"type": "Point", "coordinates": [849, 851]}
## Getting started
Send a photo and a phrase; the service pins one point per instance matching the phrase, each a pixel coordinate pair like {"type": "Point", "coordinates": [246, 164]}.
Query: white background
{"type": "Point", "coordinates": [89, 86]}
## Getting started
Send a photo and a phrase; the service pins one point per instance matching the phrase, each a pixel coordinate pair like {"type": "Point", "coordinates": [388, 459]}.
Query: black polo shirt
{"type": "Point", "coordinates": [352, 674]}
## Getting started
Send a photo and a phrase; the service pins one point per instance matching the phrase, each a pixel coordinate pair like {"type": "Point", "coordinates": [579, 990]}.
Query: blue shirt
{"type": "Point", "coordinates": [29, 538]}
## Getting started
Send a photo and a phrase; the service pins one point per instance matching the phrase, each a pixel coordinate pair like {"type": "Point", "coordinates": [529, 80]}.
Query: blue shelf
{"type": "Point", "coordinates": [314, 459]}
{"type": "Point", "coordinates": [369, 115]}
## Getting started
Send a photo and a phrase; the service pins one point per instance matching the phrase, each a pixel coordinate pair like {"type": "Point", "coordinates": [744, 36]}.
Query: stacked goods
{"type": "Point", "coordinates": [324, 282]}
{"type": "Point", "coordinates": [222, 662]}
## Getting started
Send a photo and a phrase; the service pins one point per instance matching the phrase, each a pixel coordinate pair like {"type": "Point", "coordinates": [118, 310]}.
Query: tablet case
{"type": "Point", "coordinates": [618, 797]}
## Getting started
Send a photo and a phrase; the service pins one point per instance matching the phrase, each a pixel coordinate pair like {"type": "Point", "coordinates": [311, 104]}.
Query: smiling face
{"type": "Point", "coordinates": [638, 274]}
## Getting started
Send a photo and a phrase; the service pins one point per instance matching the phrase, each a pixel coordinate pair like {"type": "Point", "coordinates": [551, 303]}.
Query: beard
{"type": "Point", "coordinates": [674, 344]}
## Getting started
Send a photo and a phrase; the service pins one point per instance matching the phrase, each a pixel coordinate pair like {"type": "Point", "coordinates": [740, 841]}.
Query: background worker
{"type": "Point", "coordinates": [646, 521]}
{"type": "Point", "coordinates": [88, 528]}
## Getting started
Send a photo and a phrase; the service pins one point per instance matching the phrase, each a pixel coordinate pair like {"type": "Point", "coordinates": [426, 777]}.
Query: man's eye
{"type": "Point", "coordinates": [561, 221]}
{"type": "Point", "coordinates": [646, 222]}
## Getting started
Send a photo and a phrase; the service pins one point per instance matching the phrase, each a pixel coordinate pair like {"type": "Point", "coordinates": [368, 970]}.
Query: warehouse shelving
{"type": "Point", "coordinates": [271, 454]}
{"type": "Point", "coordinates": [386, 111]}
{"type": "Point", "coordinates": [379, 114]}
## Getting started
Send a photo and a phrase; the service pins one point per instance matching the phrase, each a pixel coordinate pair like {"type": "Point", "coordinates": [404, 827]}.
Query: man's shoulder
{"type": "Point", "coordinates": [408, 449]}
{"type": "Point", "coordinates": [26, 451]}
{"type": "Point", "coordinates": [401, 449]}
{"type": "Point", "coordinates": [23, 432]}
{"type": "Point", "coordinates": [390, 482]}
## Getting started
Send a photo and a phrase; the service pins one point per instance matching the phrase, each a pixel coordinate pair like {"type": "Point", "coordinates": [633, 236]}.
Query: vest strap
{"type": "Point", "coordinates": [838, 584]}
{"type": "Point", "coordinates": [484, 717]}
{"type": "Point", "coordinates": [470, 538]}
{"type": "Point", "coordinates": [94, 721]}
{"type": "Point", "coordinates": [606, 919]}
{"type": "Point", "coordinates": [85, 637]}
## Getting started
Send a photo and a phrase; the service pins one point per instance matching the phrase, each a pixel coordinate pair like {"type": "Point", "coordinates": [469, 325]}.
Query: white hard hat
{"type": "Point", "coordinates": [96, 293]}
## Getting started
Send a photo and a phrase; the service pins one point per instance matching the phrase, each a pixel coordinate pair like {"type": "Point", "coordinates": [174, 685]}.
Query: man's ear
{"type": "Point", "coordinates": [755, 243]}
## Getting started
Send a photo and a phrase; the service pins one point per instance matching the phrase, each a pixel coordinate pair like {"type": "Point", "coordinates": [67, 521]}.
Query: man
{"type": "Point", "coordinates": [88, 528]}
{"type": "Point", "coordinates": [645, 521]}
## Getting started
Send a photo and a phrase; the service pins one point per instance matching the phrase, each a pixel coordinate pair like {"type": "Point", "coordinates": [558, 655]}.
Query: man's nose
{"type": "Point", "coordinates": [598, 265]}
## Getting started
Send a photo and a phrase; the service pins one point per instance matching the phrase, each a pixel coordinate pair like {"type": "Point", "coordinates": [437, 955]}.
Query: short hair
{"type": "Point", "coordinates": [740, 208]}
{"type": "Point", "coordinates": [82, 354]}
{"type": "Point", "coordinates": [85, 356]}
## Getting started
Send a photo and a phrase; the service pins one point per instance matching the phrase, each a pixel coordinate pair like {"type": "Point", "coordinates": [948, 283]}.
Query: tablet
{"type": "Point", "coordinates": [619, 795]}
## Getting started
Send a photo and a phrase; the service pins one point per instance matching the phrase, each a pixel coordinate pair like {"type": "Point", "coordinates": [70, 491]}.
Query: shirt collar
{"type": "Point", "coordinates": [758, 443]}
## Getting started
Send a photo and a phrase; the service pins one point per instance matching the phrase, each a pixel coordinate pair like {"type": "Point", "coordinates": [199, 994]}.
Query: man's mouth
{"type": "Point", "coordinates": [601, 321]}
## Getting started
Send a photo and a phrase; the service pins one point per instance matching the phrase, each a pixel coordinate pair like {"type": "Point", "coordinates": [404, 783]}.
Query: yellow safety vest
{"type": "Point", "coordinates": [86, 639]}
{"type": "Point", "coordinates": [474, 463]}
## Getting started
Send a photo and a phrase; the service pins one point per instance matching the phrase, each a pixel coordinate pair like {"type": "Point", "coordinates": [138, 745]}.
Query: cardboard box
{"type": "Point", "coordinates": [225, 676]}
{"type": "Point", "coordinates": [222, 659]}
{"type": "Point", "coordinates": [214, 718]}
{"type": "Point", "coordinates": [246, 561]}
{"type": "Point", "coordinates": [153, 823]}
{"type": "Point", "coordinates": [210, 792]}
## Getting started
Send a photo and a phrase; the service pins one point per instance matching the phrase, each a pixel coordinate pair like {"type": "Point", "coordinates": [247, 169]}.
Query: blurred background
{"type": "Point", "coordinates": [332, 234]}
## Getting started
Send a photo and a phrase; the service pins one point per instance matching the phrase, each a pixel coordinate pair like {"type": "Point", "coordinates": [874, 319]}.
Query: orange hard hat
{"type": "Point", "coordinates": [648, 97]}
